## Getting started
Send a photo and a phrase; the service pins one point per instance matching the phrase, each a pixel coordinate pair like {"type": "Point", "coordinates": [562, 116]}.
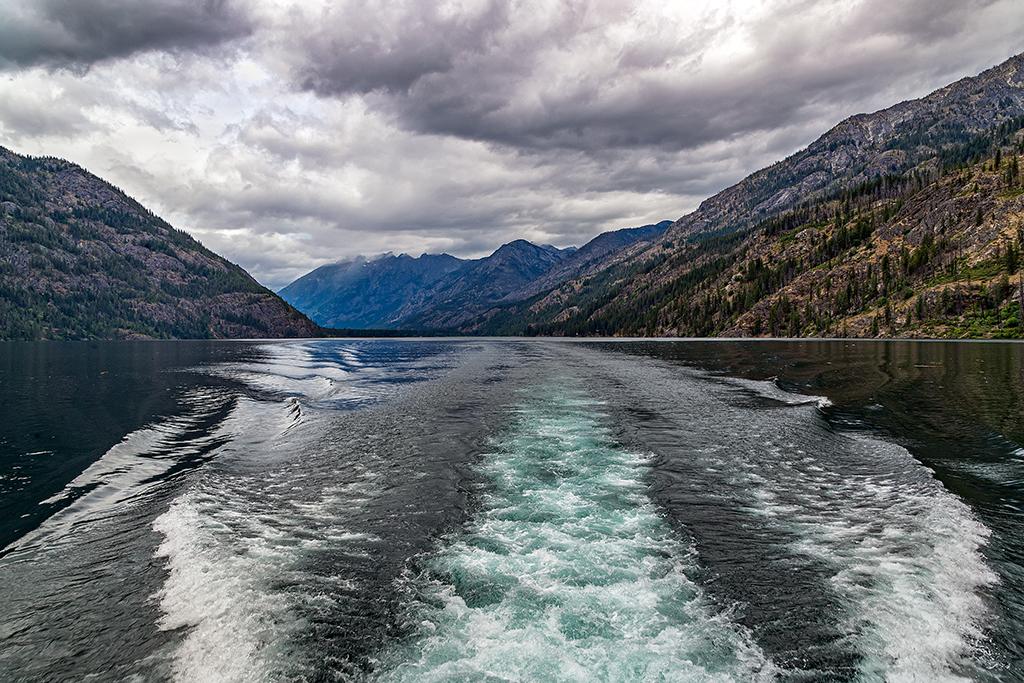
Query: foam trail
{"type": "Point", "coordinates": [228, 553]}
{"type": "Point", "coordinates": [215, 590]}
{"type": "Point", "coordinates": [251, 547]}
{"type": "Point", "coordinates": [233, 541]}
{"type": "Point", "coordinates": [905, 554]}
{"type": "Point", "coordinates": [770, 389]}
{"type": "Point", "coordinates": [133, 467]}
{"type": "Point", "coordinates": [567, 573]}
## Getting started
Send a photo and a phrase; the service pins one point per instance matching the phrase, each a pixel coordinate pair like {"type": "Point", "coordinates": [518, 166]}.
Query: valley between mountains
{"type": "Point", "coordinates": [907, 222]}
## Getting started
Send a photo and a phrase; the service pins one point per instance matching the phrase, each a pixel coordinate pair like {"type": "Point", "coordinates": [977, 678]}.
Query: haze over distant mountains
{"type": "Point", "coordinates": [439, 291]}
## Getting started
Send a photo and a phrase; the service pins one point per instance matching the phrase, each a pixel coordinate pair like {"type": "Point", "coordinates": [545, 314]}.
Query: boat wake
{"type": "Point", "coordinates": [567, 572]}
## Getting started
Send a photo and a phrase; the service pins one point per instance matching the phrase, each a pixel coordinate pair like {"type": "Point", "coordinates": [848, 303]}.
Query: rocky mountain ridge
{"type": "Point", "coordinates": [933, 253]}
{"type": "Point", "coordinates": [865, 146]}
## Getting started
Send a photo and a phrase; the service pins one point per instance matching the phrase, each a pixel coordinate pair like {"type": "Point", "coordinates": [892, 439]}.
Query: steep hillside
{"type": "Point", "coordinates": [368, 293]}
{"type": "Point", "coordinates": [914, 144]}
{"type": "Point", "coordinates": [935, 252]}
{"type": "Point", "coordinates": [79, 259]}
{"type": "Point", "coordinates": [867, 146]}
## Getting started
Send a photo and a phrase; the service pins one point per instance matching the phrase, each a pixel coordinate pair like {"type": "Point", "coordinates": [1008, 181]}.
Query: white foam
{"type": "Point", "coordinates": [127, 470]}
{"type": "Point", "coordinates": [771, 390]}
{"type": "Point", "coordinates": [906, 556]}
{"type": "Point", "coordinates": [570, 572]}
{"type": "Point", "coordinates": [228, 542]}
{"type": "Point", "coordinates": [213, 590]}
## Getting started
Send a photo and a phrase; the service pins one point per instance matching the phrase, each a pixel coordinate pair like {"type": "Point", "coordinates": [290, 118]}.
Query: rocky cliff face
{"type": "Point", "coordinates": [79, 259]}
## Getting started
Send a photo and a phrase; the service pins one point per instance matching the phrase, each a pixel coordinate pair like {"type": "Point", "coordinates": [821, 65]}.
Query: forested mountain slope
{"type": "Point", "coordinates": [465, 292]}
{"type": "Point", "coordinates": [877, 176]}
{"type": "Point", "coordinates": [427, 292]}
{"type": "Point", "coordinates": [590, 255]}
{"type": "Point", "coordinates": [79, 259]}
{"type": "Point", "coordinates": [936, 252]}
{"type": "Point", "coordinates": [368, 293]}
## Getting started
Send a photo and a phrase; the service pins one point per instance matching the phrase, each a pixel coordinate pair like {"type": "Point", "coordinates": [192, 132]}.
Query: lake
{"type": "Point", "coordinates": [493, 509]}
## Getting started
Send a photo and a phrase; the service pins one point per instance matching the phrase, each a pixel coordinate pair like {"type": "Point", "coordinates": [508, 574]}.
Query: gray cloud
{"type": "Point", "coordinates": [31, 113]}
{"type": "Point", "coordinates": [371, 46]}
{"type": "Point", "coordinates": [78, 33]}
{"type": "Point", "coordinates": [593, 75]}
{"type": "Point", "coordinates": [337, 127]}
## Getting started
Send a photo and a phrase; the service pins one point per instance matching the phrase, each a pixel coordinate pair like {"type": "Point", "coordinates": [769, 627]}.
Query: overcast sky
{"type": "Point", "coordinates": [285, 135]}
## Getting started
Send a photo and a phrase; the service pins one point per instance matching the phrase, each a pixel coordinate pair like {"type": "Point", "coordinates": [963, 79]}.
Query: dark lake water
{"type": "Point", "coordinates": [525, 510]}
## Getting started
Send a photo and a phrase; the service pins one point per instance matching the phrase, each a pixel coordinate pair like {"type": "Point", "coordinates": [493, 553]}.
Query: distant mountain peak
{"type": "Point", "coordinates": [432, 290]}
{"type": "Point", "coordinates": [517, 245]}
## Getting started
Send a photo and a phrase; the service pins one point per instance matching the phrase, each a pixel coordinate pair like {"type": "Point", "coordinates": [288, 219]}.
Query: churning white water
{"type": "Point", "coordinates": [567, 572]}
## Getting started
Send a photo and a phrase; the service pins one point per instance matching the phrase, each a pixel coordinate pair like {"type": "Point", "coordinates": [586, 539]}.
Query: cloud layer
{"type": "Point", "coordinates": [286, 135]}
{"type": "Point", "coordinates": [78, 33]}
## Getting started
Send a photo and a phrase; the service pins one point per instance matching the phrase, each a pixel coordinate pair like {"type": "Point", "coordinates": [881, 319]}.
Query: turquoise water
{"type": "Point", "coordinates": [567, 572]}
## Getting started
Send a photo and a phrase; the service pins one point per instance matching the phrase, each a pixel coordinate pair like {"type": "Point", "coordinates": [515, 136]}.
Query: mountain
{"type": "Point", "coordinates": [867, 146]}
{"type": "Point", "coordinates": [481, 283]}
{"type": "Point", "coordinates": [367, 293]}
{"type": "Point", "coordinates": [841, 213]}
{"type": "Point", "coordinates": [589, 255]}
{"type": "Point", "coordinates": [437, 292]}
{"type": "Point", "coordinates": [904, 222]}
{"type": "Point", "coordinates": [79, 259]}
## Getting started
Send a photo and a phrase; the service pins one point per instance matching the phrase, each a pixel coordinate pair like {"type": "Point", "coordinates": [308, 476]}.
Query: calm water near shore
{"type": "Point", "coordinates": [492, 509]}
